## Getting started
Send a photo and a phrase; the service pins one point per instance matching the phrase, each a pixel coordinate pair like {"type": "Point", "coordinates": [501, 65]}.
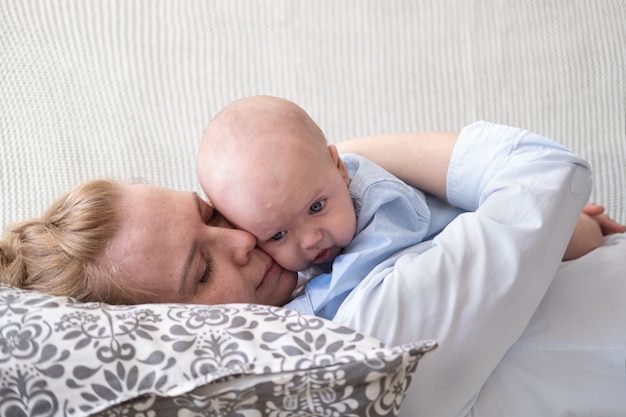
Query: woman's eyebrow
{"type": "Point", "coordinates": [190, 256]}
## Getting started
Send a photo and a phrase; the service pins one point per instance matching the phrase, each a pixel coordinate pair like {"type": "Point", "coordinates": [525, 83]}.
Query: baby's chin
{"type": "Point", "coordinates": [291, 264]}
{"type": "Point", "coordinates": [321, 264]}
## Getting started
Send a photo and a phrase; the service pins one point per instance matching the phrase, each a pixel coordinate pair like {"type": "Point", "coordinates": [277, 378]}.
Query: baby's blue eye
{"type": "Point", "coordinates": [279, 235]}
{"type": "Point", "coordinates": [317, 206]}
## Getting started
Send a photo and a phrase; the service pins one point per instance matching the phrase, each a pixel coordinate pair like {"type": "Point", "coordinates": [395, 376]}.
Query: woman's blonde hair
{"type": "Point", "coordinates": [59, 253]}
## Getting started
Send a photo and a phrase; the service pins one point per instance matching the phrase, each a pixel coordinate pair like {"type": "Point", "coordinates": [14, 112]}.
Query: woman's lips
{"type": "Point", "coordinates": [272, 271]}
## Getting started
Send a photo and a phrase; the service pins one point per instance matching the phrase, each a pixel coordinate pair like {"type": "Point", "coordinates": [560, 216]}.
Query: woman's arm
{"type": "Point", "coordinates": [422, 159]}
{"type": "Point", "coordinates": [419, 159]}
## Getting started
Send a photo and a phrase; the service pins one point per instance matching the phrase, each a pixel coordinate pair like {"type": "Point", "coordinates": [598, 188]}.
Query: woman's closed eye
{"type": "Point", "coordinates": [206, 274]}
{"type": "Point", "coordinates": [209, 216]}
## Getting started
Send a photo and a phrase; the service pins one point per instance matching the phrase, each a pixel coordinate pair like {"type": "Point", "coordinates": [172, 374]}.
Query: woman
{"type": "Point", "coordinates": [133, 243]}
{"type": "Point", "coordinates": [474, 289]}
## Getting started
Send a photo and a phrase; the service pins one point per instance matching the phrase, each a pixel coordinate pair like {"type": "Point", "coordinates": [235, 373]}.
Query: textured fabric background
{"type": "Point", "coordinates": [124, 88]}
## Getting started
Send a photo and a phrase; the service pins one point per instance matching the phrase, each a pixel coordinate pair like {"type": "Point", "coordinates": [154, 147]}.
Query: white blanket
{"type": "Point", "coordinates": [585, 312]}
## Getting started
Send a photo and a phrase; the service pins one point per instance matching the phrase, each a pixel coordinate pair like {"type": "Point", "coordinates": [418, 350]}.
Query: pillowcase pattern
{"type": "Point", "coordinates": [62, 357]}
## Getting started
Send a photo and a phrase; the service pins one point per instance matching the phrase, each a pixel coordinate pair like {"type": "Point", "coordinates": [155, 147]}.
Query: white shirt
{"type": "Point", "coordinates": [475, 287]}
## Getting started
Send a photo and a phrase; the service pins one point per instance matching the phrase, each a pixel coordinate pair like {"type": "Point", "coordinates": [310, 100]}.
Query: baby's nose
{"type": "Point", "coordinates": [310, 239]}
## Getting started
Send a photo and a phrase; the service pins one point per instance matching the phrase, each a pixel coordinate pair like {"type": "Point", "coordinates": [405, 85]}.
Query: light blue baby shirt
{"type": "Point", "coordinates": [391, 216]}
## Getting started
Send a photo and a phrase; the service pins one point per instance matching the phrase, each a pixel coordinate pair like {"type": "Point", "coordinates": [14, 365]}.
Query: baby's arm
{"type": "Point", "coordinates": [592, 225]}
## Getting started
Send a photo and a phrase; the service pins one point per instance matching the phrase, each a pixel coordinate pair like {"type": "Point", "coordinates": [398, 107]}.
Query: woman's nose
{"type": "Point", "coordinates": [236, 242]}
{"type": "Point", "coordinates": [240, 244]}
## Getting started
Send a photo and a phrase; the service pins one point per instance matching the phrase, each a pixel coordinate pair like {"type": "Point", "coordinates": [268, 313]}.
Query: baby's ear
{"type": "Point", "coordinates": [343, 171]}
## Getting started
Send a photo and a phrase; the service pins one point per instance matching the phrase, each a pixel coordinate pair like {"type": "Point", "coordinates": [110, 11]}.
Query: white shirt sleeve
{"type": "Point", "coordinates": [475, 287]}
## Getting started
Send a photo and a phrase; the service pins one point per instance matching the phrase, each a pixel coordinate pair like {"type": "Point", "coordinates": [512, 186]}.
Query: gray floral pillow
{"type": "Point", "coordinates": [59, 357]}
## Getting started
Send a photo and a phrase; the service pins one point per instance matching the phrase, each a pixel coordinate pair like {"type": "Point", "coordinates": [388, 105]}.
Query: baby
{"type": "Point", "coordinates": [267, 167]}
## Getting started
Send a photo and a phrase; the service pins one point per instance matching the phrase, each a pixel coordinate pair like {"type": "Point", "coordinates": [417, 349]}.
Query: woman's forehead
{"type": "Point", "coordinates": [148, 209]}
{"type": "Point", "coordinates": [153, 234]}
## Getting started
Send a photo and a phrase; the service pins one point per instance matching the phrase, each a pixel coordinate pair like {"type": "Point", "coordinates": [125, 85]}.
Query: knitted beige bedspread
{"type": "Point", "coordinates": [124, 88]}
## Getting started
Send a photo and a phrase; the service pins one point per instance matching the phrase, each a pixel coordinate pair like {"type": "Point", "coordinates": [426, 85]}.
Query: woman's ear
{"type": "Point", "coordinates": [343, 171]}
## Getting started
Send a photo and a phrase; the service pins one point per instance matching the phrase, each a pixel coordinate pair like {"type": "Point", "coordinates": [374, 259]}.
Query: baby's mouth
{"type": "Point", "coordinates": [323, 256]}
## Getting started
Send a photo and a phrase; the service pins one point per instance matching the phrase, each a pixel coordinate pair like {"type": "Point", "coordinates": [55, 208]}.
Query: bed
{"type": "Point", "coordinates": [124, 89]}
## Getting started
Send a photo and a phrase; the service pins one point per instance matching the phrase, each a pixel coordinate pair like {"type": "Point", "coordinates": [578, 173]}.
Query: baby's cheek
{"type": "Point", "coordinates": [267, 248]}
{"type": "Point", "coordinates": [274, 252]}
{"type": "Point", "coordinates": [346, 236]}
{"type": "Point", "coordinates": [288, 257]}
